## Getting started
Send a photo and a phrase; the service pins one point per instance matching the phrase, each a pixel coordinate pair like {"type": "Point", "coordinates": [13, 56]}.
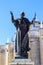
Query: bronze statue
{"type": "Point", "coordinates": [23, 24]}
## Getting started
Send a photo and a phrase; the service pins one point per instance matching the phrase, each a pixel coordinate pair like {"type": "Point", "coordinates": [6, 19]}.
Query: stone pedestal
{"type": "Point", "coordinates": [22, 62]}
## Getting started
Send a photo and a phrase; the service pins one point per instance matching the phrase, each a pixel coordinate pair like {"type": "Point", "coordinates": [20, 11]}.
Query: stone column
{"type": "Point", "coordinates": [35, 51]}
{"type": "Point", "coordinates": [41, 45]}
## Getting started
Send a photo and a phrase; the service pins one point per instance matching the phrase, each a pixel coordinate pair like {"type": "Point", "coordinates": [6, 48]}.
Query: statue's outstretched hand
{"type": "Point", "coordinates": [11, 13]}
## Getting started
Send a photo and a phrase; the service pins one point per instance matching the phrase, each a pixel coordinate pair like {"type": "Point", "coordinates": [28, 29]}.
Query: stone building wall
{"type": "Point", "coordinates": [35, 46]}
{"type": "Point", "coordinates": [41, 45]}
{"type": "Point", "coordinates": [2, 55]}
{"type": "Point", "coordinates": [6, 53]}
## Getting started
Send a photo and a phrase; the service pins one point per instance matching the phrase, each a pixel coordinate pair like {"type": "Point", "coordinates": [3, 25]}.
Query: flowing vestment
{"type": "Point", "coordinates": [23, 25]}
{"type": "Point", "coordinates": [24, 28]}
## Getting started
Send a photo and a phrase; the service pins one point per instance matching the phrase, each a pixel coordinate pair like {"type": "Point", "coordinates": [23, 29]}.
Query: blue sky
{"type": "Point", "coordinates": [7, 29]}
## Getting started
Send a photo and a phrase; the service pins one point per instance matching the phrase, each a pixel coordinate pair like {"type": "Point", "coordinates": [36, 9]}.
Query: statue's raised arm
{"type": "Point", "coordinates": [12, 17]}
{"type": "Point", "coordinates": [15, 22]}
{"type": "Point", "coordinates": [32, 22]}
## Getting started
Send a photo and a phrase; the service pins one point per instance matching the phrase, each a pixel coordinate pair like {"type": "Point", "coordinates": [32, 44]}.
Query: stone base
{"type": "Point", "coordinates": [22, 62]}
